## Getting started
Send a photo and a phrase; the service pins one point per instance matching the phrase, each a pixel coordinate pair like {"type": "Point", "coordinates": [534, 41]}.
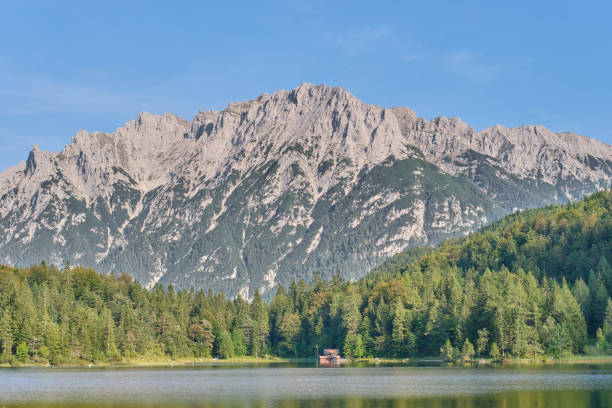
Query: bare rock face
{"type": "Point", "coordinates": [279, 188]}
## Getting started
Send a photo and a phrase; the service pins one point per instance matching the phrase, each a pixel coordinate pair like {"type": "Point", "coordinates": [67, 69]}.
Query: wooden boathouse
{"type": "Point", "coordinates": [331, 356]}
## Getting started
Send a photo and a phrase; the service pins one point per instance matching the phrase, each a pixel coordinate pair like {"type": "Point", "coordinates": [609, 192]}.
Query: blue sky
{"type": "Point", "coordinates": [66, 66]}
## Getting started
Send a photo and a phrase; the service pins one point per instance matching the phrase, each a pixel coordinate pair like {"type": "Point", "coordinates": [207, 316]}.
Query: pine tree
{"type": "Point", "coordinates": [573, 319]}
{"type": "Point", "coordinates": [259, 315]}
{"type": "Point", "coordinates": [582, 294]}
{"type": "Point", "coordinates": [22, 352]}
{"type": "Point", "coordinates": [289, 332]}
{"type": "Point", "coordinates": [108, 329]}
{"type": "Point", "coordinates": [224, 345]}
{"type": "Point", "coordinates": [494, 353]}
{"type": "Point", "coordinates": [358, 347]}
{"type": "Point", "coordinates": [483, 341]}
{"type": "Point", "coordinates": [6, 336]}
{"type": "Point", "coordinates": [598, 303]}
{"type": "Point", "coordinates": [605, 270]}
{"type": "Point", "coordinates": [448, 351]}
{"type": "Point", "coordinates": [467, 351]}
{"type": "Point", "coordinates": [602, 343]}
{"type": "Point", "coordinates": [53, 342]}
{"type": "Point", "coordinates": [398, 333]}
{"type": "Point", "coordinates": [503, 327]}
{"type": "Point", "coordinates": [240, 348]}
{"type": "Point", "coordinates": [351, 318]}
{"type": "Point", "coordinates": [607, 324]}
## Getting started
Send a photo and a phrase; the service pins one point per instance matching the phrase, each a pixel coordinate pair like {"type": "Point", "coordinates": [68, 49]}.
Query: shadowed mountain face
{"type": "Point", "coordinates": [279, 188]}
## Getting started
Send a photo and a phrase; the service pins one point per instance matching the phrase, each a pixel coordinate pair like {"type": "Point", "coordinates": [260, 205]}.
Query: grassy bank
{"type": "Point", "coordinates": [573, 359]}
{"type": "Point", "coordinates": [177, 362]}
{"type": "Point", "coordinates": [166, 362]}
{"type": "Point", "coordinates": [544, 360]}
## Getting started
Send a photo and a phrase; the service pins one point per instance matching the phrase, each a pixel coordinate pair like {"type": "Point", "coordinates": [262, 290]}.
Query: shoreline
{"type": "Point", "coordinates": [545, 360]}
{"type": "Point", "coordinates": [162, 362]}
{"type": "Point", "coordinates": [188, 362]}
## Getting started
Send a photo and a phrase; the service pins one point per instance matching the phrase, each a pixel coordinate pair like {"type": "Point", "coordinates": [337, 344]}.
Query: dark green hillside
{"type": "Point", "coordinates": [536, 282]}
{"type": "Point", "coordinates": [571, 242]}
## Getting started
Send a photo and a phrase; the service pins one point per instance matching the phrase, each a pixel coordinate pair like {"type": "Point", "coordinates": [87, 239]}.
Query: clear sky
{"type": "Point", "coordinates": [94, 65]}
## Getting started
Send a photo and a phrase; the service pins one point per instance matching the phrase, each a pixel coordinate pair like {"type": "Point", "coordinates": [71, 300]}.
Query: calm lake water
{"type": "Point", "coordinates": [303, 386]}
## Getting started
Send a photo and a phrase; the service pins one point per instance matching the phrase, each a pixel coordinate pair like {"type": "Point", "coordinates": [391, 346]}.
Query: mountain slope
{"type": "Point", "coordinates": [279, 188]}
{"type": "Point", "coordinates": [534, 284]}
{"type": "Point", "coordinates": [564, 244]}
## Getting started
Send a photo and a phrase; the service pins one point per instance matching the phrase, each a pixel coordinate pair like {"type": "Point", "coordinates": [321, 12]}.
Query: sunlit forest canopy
{"type": "Point", "coordinates": [535, 282]}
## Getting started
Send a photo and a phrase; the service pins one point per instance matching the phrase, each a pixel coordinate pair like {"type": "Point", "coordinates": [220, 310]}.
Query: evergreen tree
{"type": "Point", "coordinates": [598, 302]}
{"type": "Point", "coordinates": [607, 325]}
{"type": "Point", "coordinates": [467, 351]}
{"type": "Point", "coordinates": [223, 344]}
{"type": "Point", "coordinates": [494, 353]}
{"type": "Point", "coordinates": [398, 333]}
{"type": "Point", "coordinates": [259, 316]}
{"type": "Point", "coordinates": [605, 270]}
{"type": "Point", "coordinates": [602, 343]}
{"type": "Point", "coordinates": [351, 318]}
{"type": "Point", "coordinates": [108, 329]}
{"type": "Point", "coordinates": [202, 334]}
{"type": "Point", "coordinates": [289, 332]}
{"type": "Point", "coordinates": [582, 294]}
{"type": "Point", "coordinates": [6, 336]}
{"type": "Point", "coordinates": [483, 341]}
{"type": "Point", "coordinates": [22, 352]}
{"type": "Point", "coordinates": [448, 351]}
{"type": "Point", "coordinates": [238, 340]}
{"type": "Point", "coordinates": [358, 349]}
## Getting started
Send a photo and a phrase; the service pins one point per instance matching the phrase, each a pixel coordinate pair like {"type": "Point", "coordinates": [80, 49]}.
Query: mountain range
{"type": "Point", "coordinates": [279, 188]}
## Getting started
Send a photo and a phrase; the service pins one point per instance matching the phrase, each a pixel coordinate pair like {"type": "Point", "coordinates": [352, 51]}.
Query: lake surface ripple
{"type": "Point", "coordinates": [286, 386]}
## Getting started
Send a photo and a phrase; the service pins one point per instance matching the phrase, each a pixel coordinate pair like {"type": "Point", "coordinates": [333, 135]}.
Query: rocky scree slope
{"type": "Point", "coordinates": [279, 188]}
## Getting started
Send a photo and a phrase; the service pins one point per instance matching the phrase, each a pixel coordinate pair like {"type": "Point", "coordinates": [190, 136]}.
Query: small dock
{"type": "Point", "coordinates": [331, 357]}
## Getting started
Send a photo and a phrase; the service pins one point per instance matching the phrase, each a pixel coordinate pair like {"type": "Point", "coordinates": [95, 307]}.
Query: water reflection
{"type": "Point", "coordinates": [522, 399]}
{"type": "Point", "coordinates": [286, 386]}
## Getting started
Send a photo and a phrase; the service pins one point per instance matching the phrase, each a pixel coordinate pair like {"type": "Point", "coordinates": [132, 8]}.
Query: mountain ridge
{"type": "Point", "coordinates": [280, 187]}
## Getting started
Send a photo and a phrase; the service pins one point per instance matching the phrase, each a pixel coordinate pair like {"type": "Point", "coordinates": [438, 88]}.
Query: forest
{"type": "Point", "coordinates": [537, 282]}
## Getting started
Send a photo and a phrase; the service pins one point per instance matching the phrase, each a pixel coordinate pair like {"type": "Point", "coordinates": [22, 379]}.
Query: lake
{"type": "Point", "coordinates": [284, 385]}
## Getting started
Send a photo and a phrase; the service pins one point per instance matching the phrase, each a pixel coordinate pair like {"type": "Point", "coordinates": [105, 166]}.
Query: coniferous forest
{"type": "Point", "coordinates": [536, 282]}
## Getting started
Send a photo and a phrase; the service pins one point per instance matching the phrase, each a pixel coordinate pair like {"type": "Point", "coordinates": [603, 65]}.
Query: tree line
{"type": "Point", "coordinates": [535, 282]}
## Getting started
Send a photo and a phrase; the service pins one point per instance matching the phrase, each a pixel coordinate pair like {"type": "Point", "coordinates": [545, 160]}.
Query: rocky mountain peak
{"type": "Point", "coordinates": [39, 162]}
{"type": "Point", "coordinates": [31, 163]}
{"type": "Point", "coordinates": [279, 187]}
